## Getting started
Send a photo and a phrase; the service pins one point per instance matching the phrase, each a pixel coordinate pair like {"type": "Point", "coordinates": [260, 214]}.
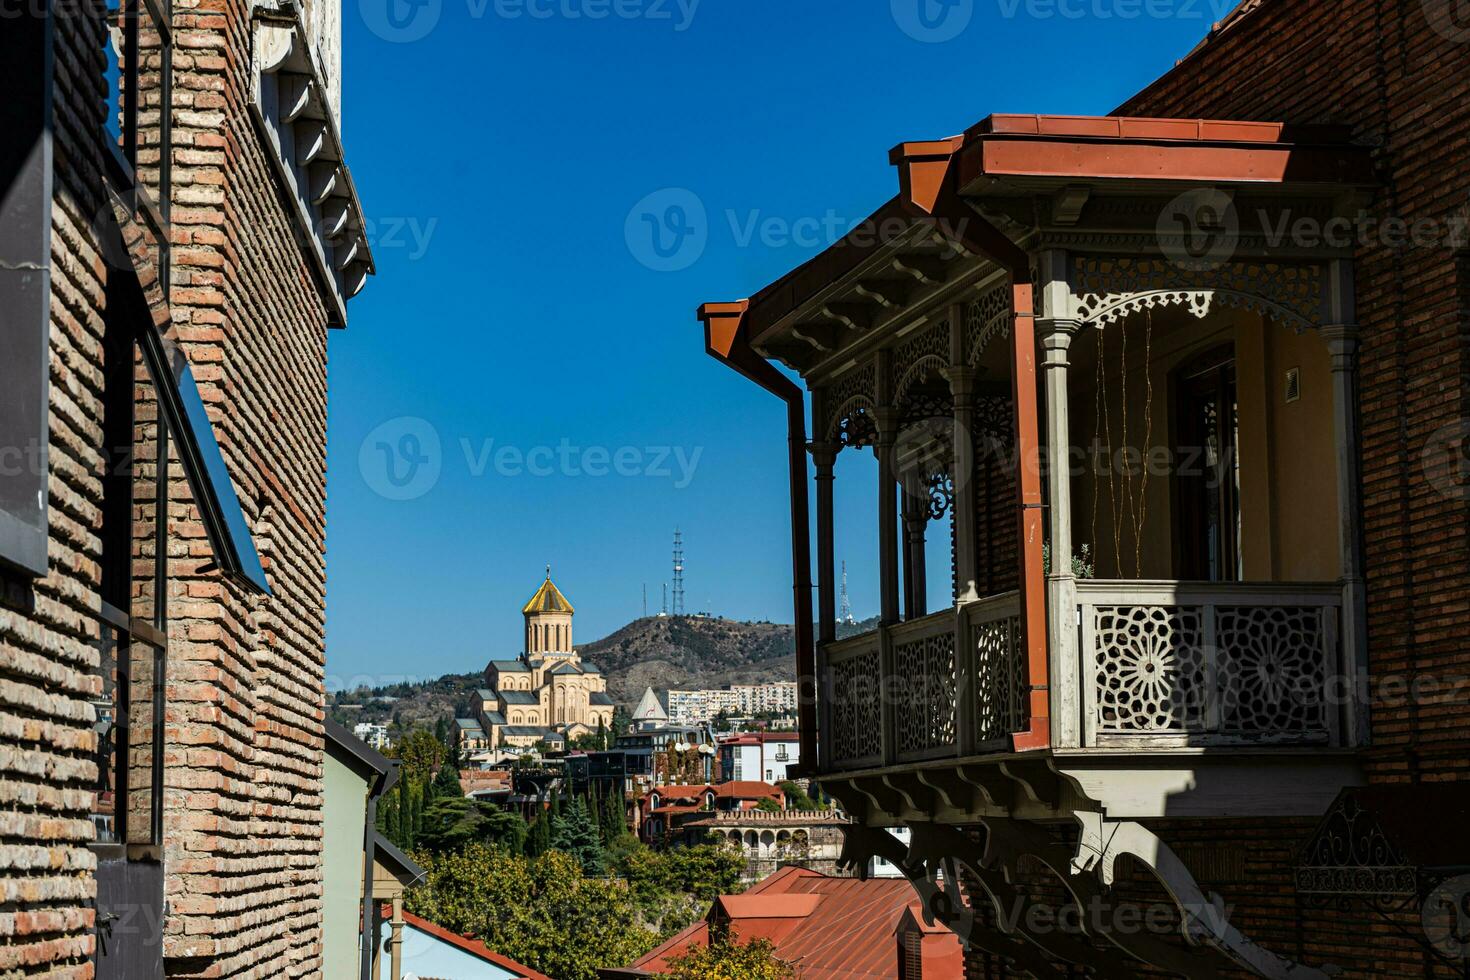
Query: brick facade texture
{"type": "Point", "coordinates": [243, 757]}
{"type": "Point", "coordinates": [1378, 68]}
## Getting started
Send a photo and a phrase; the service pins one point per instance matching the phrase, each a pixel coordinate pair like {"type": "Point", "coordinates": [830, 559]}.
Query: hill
{"type": "Point", "coordinates": [659, 652]}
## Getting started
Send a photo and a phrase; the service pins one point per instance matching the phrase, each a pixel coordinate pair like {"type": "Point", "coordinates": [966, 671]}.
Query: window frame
{"type": "Point", "coordinates": [27, 68]}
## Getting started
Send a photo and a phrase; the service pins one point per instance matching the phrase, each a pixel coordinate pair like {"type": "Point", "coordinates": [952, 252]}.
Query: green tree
{"type": "Point", "coordinates": [446, 781]}
{"type": "Point", "coordinates": [450, 823]}
{"type": "Point", "coordinates": [420, 755]}
{"type": "Point", "coordinates": [796, 797]}
{"type": "Point", "coordinates": [724, 960]}
{"type": "Point", "coordinates": [541, 911]}
{"type": "Point", "coordinates": [538, 840]}
{"type": "Point", "coordinates": [768, 805]}
{"type": "Point", "coordinates": [573, 833]}
{"type": "Point", "coordinates": [504, 828]}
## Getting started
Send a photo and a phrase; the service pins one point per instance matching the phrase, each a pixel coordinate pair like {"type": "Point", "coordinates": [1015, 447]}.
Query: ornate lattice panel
{"type": "Point", "coordinates": [1205, 667]}
{"type": "Point", "coordinates": [925, 705]}
{"type": "Point", "coordinates": [1272, 671]}
{"type": "Point", "coordinates": [987, 317]}
{"type": "Point", "coordinates": [999, 679]}
{"type": "Point", "coordinates": [850, 404]}
{"type": "Point", "coordinates": [856, 714]}
{"type": "Point", "coordinates": [1150, 669]}
{"type": "Point", "coordinates": [919, 357]}
{"type": "Point", "coordinates": [1109, 289]}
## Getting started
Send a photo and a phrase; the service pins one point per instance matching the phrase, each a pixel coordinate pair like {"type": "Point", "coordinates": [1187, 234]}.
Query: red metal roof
{"type": "Point", "coordinates": [748, 790]}
{"type": "Point", "coordinates": [472, 946]}
{"type": "Point", "coordinates": [830, 928]}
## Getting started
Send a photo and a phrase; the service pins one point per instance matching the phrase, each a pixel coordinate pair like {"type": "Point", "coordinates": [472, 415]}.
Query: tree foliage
{"type": "Point", "coordinates": [724, 960]}
{"type": "Point", "coordinates": [542, 911]}
{"type": "Point", "coordinates": [575, 834]}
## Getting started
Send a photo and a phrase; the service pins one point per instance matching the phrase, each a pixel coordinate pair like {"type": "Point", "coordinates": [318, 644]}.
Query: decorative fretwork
{"type": "Point", "coordinates": [1209, 662]}
{"type": "Point", "coordinates": [1109, 289]}
{"type": "Point", "coordinates": [941, 494]}
{"type": "Point", "coordinates": [999, 679]}
{"type": "Point", "coordinates": [920, 357]}
{"type": "Point", "coordinates": [850, 406]}
{"type": "Point", "coordinates": [927, 405]}
{"type": "Point", "coordinates": [1272, 672]}
{"type": "Point", "coordinates": [856, 707]}
{"type": "Point", "coordinates": [1351, 856]}
{"type": "Point", "coordinates": [925, 706]}
{"type": "Point", "coordinates": [987, 317]}
{"type": "Point", "coordinates": [1151, 669]}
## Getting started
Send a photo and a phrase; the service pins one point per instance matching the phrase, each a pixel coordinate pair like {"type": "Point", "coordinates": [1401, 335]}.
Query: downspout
{"type": "Point", "coordinates": [725, 339]}
{"type": "Point", "coordinates": [929, 189]}
{"type": "Point", "coordinates": [369, 859]}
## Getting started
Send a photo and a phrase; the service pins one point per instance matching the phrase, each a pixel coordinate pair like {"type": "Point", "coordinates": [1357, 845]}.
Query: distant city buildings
{"type": "Point", "coordinates": [374, 735]}
{"type": "Point", "coordinates": [739, 700]}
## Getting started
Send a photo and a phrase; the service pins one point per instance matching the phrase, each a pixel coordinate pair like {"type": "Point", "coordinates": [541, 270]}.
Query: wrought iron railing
{"type": "Point", "coordinates": [1198, 664]}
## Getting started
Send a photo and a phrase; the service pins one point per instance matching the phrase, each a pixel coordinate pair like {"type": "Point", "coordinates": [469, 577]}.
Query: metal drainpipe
{"type": "Point", "coordinates": [725, 340]}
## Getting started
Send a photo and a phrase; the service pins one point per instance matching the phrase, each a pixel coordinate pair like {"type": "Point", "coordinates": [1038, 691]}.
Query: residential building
{"type": "Point", "coordinates": [772, 839]}
{"type": "Point", "coordinates": [738, 701]}
{"type": "Point", "coordinates": [429, 951]}
{"type": "Point", "coordinates": [662, 812]}
{"type": "Point", "coordinates": [375, 736]}
{"type": "Point", "coordinates": [765, 699]}
{"type": "Point", "coordinates": [666, 753]}
{"type": "Point", "coordinates": [832, 928]}
{"type": "Point", "coordinates": [1191, 662]}
{"type": "Point", "coordinates": [178, 231]}
{"type": "Point", "coordinates": [759, 755]}
{"type": "Point", "coordinates": [547, 695]}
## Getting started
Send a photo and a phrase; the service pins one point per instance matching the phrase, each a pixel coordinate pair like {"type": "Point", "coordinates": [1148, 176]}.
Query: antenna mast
{"type": "Point", "coordinates": [678, 573]}
{"type": "Point", "coordinates": [846, 614]}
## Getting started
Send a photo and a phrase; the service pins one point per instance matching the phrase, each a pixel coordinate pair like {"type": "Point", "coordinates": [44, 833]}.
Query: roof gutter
{"type": "Point", "coordinates": [726, 339]}
{"type": "Point", "coordinates": [929, 185]}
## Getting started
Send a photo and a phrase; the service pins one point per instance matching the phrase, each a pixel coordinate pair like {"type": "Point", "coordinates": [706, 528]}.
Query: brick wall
{"type": "Point", "coordinates": [243, 727]}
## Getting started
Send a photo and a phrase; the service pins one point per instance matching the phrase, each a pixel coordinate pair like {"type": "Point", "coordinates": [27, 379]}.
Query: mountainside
{"type": "Point", "coordinates": [659, 652]}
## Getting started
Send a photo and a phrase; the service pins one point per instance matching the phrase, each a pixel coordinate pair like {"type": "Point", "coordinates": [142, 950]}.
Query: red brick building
{"type": "Point", "coordinates": [178, 231]}
{"type": "Point", "coordinates": [1198, 709]}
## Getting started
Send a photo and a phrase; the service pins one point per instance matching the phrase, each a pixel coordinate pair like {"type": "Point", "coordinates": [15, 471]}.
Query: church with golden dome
{"type": "Point", "coordinates": [547, 694]}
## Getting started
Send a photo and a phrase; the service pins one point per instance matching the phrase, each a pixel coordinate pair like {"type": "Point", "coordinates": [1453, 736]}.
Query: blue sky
{"type": "Point", "coordinates": [523, 382]}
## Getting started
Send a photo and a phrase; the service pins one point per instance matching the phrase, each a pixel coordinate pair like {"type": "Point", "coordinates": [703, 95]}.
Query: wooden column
{"type": "Point", "coordinates": [966, 511]}
{"type": "Point", "coordinates": [915, 519]}
{"type": "Point", "coordinates": [824, 455]}
{"type": "Point", "coordinates": [395, 942]}
{"type": "Point", "coordinates": [1341, 337]}
{"type": "Point", "coordinates": [887, 421]}
{"type": "Point", "coordinates": [1055, 336]}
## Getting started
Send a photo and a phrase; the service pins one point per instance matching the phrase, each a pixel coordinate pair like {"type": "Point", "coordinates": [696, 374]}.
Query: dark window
{"type": "Point", "coordinates": [1207, 504]}
{"type": "Point", "coordinates": [25, 284]}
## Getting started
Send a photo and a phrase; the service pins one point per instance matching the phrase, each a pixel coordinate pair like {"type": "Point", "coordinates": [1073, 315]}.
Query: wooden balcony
{"type": "Point", "coordinates": [1163, 665]}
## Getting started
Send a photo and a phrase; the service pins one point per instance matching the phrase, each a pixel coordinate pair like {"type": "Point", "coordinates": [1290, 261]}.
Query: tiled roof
{"type": "Point", "coordinates": [591, 669]}
{"type": "Point", "coordinates": [747, 790]}
{"type": "Point", "coordinates": [467, 723]}
{"type": "Point", "coordinates": [530, 731]}
{"type": "Point", "coordinates": [472, 946]}
{"type": "Point", "coordinates": [519, 697]}
{"type": "Point", "coordinates": [510, 666]}
{"type": "Point", "coordinates": [831, 928]}
{"type": "Point", "coordinates": [485, 694]}
{"type": "Point", "coordinates": [548, 599]}
{"type": "Point", "coordinates": [600, 697]}
{"type": "Point", "coordinates": [565, 669]}
{"type": "Point", "coordinates": [494, 718]}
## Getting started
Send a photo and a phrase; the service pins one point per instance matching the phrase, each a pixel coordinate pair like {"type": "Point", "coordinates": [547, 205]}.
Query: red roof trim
{"type": "Point", "coordinates": [472, 946]}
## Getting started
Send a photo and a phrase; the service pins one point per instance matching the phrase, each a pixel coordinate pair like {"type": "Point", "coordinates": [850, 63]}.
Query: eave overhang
{"type": "Point", "coordinates": [298, 125]}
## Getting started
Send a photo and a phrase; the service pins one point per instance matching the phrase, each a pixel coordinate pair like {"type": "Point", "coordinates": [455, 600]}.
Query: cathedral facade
{"type": "Point", "coordinates": [547, 694]}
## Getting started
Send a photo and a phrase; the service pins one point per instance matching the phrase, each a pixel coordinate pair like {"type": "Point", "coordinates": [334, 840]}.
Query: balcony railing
{"type": "Point", "coordinates": [899, 693]}
{"type": "Point", "coordinates": [1163, 664]}
{"type": "Point", "coordinates": [1197, 664]}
